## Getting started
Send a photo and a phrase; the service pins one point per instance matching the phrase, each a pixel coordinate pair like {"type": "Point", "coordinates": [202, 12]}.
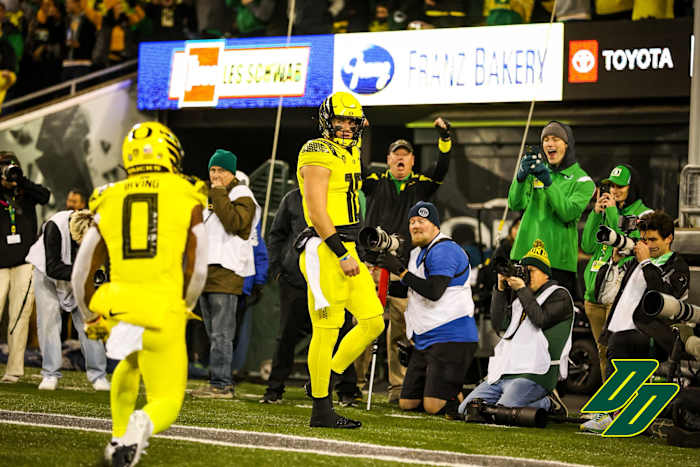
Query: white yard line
{"type": "Point", "coordinates": [278, 442]}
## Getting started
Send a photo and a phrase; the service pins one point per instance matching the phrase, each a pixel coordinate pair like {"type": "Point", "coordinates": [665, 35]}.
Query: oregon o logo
{"type": "Point", "coordinates": [423, 212]}
{"type": "Point", "coordinates": [583, 61]}
{"type": "Point", "coordinates": [616, 171]}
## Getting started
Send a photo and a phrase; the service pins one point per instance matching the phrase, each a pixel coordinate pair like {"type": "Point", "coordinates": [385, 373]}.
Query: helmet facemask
{"type": "Point", "coordinates": [341, 105]}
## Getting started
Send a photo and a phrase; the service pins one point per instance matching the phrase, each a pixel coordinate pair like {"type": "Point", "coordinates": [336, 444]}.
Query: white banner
{"type": "Point", "coordinates": [451, 66]}
{"type": "Point", "coordinates": [206, 71]}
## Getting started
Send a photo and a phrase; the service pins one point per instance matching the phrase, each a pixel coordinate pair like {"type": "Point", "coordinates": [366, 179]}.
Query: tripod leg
{"type": "Point", "coordinates": [371, 373]}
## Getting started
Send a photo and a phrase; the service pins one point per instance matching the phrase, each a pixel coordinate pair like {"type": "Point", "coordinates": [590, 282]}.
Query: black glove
{"type": "Point", "coordinates": [371, 257]}
{"type": "Point", "coordinates": [444, 132]}
{"type": "Point", "coordinates": [391, 263]}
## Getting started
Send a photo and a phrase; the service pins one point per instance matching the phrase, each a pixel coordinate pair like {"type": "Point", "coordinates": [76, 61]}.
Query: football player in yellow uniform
{"type": "Point", "coordinates": [329, 176]}
{"type": "Point", "coordinates": [150, 228]}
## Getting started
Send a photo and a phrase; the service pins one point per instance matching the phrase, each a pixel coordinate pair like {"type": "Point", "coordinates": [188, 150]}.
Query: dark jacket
{"type": "Point", "coordinates": [288, 223]}
{"type": "Point", "coordinates": [23, 199]}
{"type": "Point", "coordinates": [672, 277]}
{"type": "Point", "coordinates": [86, 36]}
{"type": "Point", "coordinates": [388, 208]}
{"type": "Point", "coordinates": [53, 241]}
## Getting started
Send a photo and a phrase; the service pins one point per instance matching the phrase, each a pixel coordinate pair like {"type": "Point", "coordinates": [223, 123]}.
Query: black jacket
{"type": "Point", "coordinates": [24, 199]}
{"type": "Point", "coordinates": [556, 309]}
{"type": "Point", "coordinates": [389, 209]}
{"type": "Point", "coordinates": [671, 278]}
{"type": "Point", "coordinates": [288, 223]}
{"type": "Point", "coordinates": [53, 241]}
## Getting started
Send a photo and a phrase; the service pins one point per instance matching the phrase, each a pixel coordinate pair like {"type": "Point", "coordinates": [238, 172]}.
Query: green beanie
{"type": "Point", "coordinates": [224, 159]}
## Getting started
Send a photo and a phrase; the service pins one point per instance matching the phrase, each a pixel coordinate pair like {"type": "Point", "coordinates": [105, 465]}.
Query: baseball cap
{"type": "Point", "coordinates": [620, 175]}
{"type": "Point", "coordinates": [400, 143]}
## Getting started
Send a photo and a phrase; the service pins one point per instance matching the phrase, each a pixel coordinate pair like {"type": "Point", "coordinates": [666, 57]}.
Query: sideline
{"type": "Point", "coordinates": [280, 442]}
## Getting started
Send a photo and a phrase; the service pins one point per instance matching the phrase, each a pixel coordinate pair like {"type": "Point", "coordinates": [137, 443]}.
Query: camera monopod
{"type": "Point", "coordinates": [382, 289]}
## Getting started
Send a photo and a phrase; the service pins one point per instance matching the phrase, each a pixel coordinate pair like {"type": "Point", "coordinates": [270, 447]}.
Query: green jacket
{"type": "Point", "coordinates": [602, 253]}
{"type": "Point", "coordinates": [551, 214]}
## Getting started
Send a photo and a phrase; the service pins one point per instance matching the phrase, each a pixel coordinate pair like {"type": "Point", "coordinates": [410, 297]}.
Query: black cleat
{"type": "Point", "coordinates": [323, 416]}
{"type": "Point", "coordinates": [271, 397]}
{"type": "Point", "coordinates": [124, 456]}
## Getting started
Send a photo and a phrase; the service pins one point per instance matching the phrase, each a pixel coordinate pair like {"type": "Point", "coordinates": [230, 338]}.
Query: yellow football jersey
{"type": "Point", "coordinates": [345, 181]}
{"type": "Point", "coordinates": [144, 221]}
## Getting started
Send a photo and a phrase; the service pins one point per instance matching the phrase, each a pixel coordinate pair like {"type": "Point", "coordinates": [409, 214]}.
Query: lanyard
{"type": "Point", "coordinates": [11, 210]}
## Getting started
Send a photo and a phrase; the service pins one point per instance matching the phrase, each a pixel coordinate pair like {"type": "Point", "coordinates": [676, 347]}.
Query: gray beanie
{"type": "Point", "coordinates": [556, 129]}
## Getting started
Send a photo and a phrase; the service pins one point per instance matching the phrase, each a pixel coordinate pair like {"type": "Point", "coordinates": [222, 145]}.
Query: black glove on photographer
{"type": "Point", "coordinates": [391, 263]}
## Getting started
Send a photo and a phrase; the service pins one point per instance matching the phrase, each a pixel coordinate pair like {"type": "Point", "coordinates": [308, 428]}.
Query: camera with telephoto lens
{"type": "Point", "coordinates": [507, 268]}
{"type": "Point", "coordinates": [478, 411]}
{"type": "Point", "coordinates": [11, 172]}
{"type": "Point", "coordinates": [668, 307]}
{"type": "Point", "coordinates": [377, 240]}
{"type": "Point", "coordinates": [623, 243]}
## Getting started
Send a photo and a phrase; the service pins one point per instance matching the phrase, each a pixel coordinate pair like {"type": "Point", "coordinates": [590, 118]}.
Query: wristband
{"type": "Point", "coordinates": [344, 257]}
{"type": "Point", "coordinates": [336, 245]}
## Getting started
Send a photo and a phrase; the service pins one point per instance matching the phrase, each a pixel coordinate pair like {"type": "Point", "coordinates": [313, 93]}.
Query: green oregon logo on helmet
{"type": "Point", "coordinates": [626, 389]}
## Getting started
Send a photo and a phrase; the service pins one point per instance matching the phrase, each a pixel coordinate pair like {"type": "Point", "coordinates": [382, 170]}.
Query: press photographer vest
{"type": "Point", "coordinates": [37, 257]}
{"type": "Point", "coordinates": [422, 314]}
{"type": "Point", "coordinates": [524, 347]}
{"type": "Point", "coordinates": [231, 251]}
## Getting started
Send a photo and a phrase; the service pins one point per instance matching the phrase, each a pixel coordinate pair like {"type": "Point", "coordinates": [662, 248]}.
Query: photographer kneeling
{"type": "Point", "coordinates": [537, 316]}
{"type": "Point", "coordinates": [439, 314]}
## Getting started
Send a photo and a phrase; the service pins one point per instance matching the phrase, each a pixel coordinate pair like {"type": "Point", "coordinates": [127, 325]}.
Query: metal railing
{"type": "Point", "coordinates": [71, 85]}
{"type": "Point", "coordinates": [689, 205]}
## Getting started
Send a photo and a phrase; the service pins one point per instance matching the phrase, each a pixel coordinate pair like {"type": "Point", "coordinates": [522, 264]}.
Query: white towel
{"type": "Point", "coordinates": [313, 272]}
{"type": "Point", "coordinates": [125, 339]}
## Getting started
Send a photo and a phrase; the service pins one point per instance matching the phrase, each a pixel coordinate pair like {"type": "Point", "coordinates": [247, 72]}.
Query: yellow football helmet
{"type": "Point", "coordinates": [151, 147]}
{"type": "Point", "coordinates": [338, 105]}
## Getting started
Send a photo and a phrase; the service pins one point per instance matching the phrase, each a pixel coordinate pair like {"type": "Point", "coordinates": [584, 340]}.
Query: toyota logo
{"type": "Point", "coordinates": [583, 61]}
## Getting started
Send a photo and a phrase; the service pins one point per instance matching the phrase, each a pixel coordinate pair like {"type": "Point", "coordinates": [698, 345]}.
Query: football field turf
{"type": "Point", "coordinates": [70, 426]}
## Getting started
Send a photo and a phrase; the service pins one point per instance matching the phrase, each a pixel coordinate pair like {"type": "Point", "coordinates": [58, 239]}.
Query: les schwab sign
{"type": "Point", "coordinates": [494, 64]}
{"type": "Point", "coordinates": [235, 73]}
{"type": "Point", "coordinates": [203, 73]}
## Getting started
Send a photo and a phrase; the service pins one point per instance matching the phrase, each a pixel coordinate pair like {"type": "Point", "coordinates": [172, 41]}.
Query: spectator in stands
{"type": "Point", "coordinates": [312, 17]}
{"type": "Point", "coordinates": [499, 12]}
{"type": "Point", "coordinates": [115, 21]}
{"type": "Point", "coordinates": [350, 16]}
{"type": "Point", "coordinates": [52, 256]}
{"type": "Point", "coordinates": [639, 9]}
{"type": "Point", "coordinates": [570, 10]}
{"type": "Point", "coordinates": [13, 35]}
{"type": "Point", "coordinates": [80, 41]}
{"type": "Point", "coordinates": [213, 18]}
{"type": "Point", "coordinates": [553, 195]}
{"type": "Point", "coordinates": [251, 16]}
{"type": "Point", "coordinates": [445, 13]}
{"type": "Point", "coordinates": [380, 19]}
{"type": "Point", "coordinates": [76, 199]}
{"type": "Point", "coordinates": [44, 44]}
{"type": "Point", "coordinates": [170, 20]}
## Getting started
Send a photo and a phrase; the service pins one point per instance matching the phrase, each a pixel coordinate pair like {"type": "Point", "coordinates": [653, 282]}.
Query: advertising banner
{"type": "Point", "coordinates": [451, 66]}
{"type": "Point", "coordinates": [235, 73]}
{"type": "Point", "coordinates": [627, 59]}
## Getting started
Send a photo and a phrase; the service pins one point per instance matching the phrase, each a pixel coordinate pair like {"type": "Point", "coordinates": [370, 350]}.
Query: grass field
{"type": "Point", "coordinates": [384, 425]}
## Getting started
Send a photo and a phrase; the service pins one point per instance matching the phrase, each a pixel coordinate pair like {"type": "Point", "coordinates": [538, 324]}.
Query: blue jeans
{"type": "Point", "coordinates": [513, 392]}
{"type": "Point", "coordinates": [219, 316]}
{"type": "Point", "coordinates": [48, 319]}
{"type": "Point", "coordinates": [245, 327]}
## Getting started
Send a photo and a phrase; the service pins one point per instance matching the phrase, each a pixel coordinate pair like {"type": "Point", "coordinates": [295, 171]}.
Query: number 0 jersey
{"type": "Point", "coordinates": [345, 181]}
{"type": "Point", "coordinates": [144, 221]}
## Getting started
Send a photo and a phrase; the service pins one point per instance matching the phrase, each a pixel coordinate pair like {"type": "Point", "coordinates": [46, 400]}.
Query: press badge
{"type": "Point", "coordinates": [14, 239]}
{"type": "Point", "coordinates": [537, 184]}
{"type": "Point", "coordinates": [597, 265]}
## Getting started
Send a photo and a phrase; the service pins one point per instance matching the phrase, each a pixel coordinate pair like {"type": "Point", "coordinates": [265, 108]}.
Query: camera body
{"type": "Point", "coordinates": [628, 224]}
{"type": "Point", "coordinates": [378, 240]}
{"type": "Point", "coordinates": [11, 172]}
{"type": "Point", "coordinates": [508, 268]}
